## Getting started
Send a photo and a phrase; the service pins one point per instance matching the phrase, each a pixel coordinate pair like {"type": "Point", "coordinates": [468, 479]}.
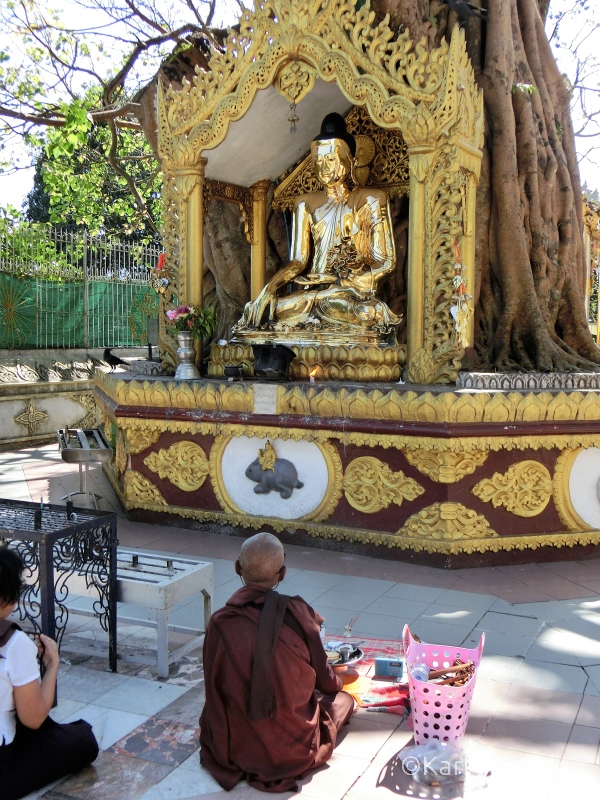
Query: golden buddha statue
{"type": "Point", "coordinates": [349, 235]}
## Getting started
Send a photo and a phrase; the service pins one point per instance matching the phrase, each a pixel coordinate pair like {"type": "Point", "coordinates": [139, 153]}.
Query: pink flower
{"type": "Point", "coordinates": [183, 310]}
{"type": "Point", "coordinates": [173, 314]}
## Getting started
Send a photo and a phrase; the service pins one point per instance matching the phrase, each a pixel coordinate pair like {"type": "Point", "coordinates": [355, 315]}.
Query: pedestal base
{"type": "Point", "coordinates": [363, 363]}
{"type": "Point", "coordinates": [445, 476]}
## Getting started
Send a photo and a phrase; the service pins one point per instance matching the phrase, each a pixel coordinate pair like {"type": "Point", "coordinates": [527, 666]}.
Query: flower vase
{"type": "Point", "coordinates": [186, 369]}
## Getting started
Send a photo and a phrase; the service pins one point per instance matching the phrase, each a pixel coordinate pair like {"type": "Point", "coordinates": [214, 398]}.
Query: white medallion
{"type": "Point", "coordinates": [584, 479]}
{"type": "Point", "coordinates": [310, 470]}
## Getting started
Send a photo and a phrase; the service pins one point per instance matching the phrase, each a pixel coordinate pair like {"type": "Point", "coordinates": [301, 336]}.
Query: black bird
{"type": "Point", "coordinates": [112, 360]}
{"type": "Point", "coordinates": [465, 9]}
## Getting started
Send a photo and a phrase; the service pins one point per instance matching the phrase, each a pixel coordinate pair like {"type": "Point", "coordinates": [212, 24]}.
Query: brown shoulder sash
{"type": "Point", "coordinates": [262, 699]}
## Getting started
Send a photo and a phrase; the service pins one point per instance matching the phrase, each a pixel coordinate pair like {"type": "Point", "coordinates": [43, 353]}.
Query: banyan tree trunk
{"type": "Point", "coordinates": [530, 270]}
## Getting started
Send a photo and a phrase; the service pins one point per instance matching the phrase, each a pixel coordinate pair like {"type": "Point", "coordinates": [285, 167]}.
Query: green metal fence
{"type": "Point", "coordinates": [61, 288]}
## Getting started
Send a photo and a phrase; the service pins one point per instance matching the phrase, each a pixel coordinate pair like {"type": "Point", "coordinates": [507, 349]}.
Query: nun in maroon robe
{"type": "Point", "coordinates": [273, 705]}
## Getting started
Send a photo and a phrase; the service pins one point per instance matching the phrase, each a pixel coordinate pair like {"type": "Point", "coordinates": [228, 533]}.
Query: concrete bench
{"type": "Point", "coordinates": [156, 583]}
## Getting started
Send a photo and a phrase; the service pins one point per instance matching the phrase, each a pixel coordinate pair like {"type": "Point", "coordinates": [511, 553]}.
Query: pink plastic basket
{"type": "Point", "coordinates": [439, 712]}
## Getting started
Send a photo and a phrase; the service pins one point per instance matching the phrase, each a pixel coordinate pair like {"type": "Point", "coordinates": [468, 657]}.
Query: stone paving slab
{"type": "Point", "coordinates": [535, 712]}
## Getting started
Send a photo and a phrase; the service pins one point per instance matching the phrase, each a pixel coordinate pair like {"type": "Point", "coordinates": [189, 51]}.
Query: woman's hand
{"type": "Point", "coordinates": [48, 649]}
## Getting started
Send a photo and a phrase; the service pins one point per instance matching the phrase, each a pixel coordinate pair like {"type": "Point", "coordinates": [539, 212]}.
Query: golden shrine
{"type": "Point", "coordinates": [445, 468]}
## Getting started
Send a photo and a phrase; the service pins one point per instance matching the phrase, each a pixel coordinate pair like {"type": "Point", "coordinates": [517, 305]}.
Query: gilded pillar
{"type": "Point", "coordinates": [190, 185]}
{"type": "Point", "coordinates": [468, 251]}
{"type": "Point", "coordinates": [419, 163]}
{"type": "Point", "coordinates": [258, 276]}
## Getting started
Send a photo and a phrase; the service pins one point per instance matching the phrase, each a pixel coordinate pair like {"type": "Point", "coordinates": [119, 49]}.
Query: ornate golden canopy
{"type": "Point", "coordinates": [430, 97]}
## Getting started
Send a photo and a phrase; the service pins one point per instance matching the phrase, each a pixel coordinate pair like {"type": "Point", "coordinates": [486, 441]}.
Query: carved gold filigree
{"type": "Point", "coordinates": [184, 464]}
{"type": "Point", "coordinates": [447, 521]}
{"type": "Point", "coordinates": [295, 81]}
{"type": "Point", "coordinates": [120, 453]}
{"type": "Point", "coordinates": [334, 477]}
{"type": "Point", "coordinates": [381, 162]}
{"type": "Point", "coordinates": [139, 490]}
{"type": "Point", "coordinates": [88, 402]}
{"type": "Point", "coordinates": [370, 485]}
{"type": "Point", "coordinates": [138, 440]}
{"type": "Point", "coordinates": [524, 489]}
{"type": "Point", "coordinates": [445, 466]}
{"type": "Point", "coordinates": [562, 494]}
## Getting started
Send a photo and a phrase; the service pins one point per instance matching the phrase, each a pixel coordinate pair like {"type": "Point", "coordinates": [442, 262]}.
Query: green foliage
{"type": "Point", "coordinates": [189, 319]}
{"type": "Point", "coordinates": [82, 185]}
{"type": "Point", "coordinates": [26, 250]}
{"type": "Point", "coordinates": [525, 88]}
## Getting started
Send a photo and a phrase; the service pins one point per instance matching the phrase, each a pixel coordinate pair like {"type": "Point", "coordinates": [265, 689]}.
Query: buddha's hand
{"type": "Point", "coordinates": [255, 311]}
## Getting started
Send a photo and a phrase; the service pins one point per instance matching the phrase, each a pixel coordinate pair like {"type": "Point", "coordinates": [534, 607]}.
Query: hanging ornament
{"type": "Point", "coordinates": [293, 118]}
{"type": "Point", "coordinates": [461, 310]}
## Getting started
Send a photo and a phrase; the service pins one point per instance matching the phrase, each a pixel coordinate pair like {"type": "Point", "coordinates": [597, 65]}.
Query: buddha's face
{"type": "Point", "coordinates": [331, 161]}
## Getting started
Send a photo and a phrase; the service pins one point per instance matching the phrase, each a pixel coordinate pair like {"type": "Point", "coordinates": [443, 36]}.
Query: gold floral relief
{"type": "Point", "coordinates": [562, 494]}
{"type": "Point", "coordinates": [139, 489]}
{"type": "Point", "coordinates": [184, 464]}
{"type": "Point", "coordinates": [447, 521]}
{"type": "Point", "coordinates": [370, 485]}
{"type": "Point", "coordinates": [295, 81]}
{"type": "Point", "coordinates": [445, 466]}
{"type": "Point", "coordinates": [524, 489]}
{"type": "Point", "coordinates": [138, 439]}
{"type": "Point", "coordinates": [120, 454]}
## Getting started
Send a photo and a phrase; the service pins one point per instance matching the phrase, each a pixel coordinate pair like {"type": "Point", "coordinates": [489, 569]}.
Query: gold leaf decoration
{"type": "Point", "coordinates": [139, 489]}
{"type": "Point", "coordinates": [445, 466]}
{"type": "Point", "coordinates": [370, 485]}
{"type": "Point", "coordinates": [295, 81]}
{"type": "Point", "coordinates": [138, 439]}
{"type": "Point", "coordinates": [447, 521]}
{"type": "Point", "coordinates": [88, 402]}
{"type": "Point", "coordinates": [524, 489]}
{"type": "Point", "coordinates": [562, 493]}
{"type": "Point", "coordinates": [267, 457]}
{"type": "Point", "coordinates": [184, 464]}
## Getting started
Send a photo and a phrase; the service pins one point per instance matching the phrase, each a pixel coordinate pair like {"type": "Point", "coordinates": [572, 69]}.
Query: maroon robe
{"type": "Point", "coordinates": [308, 708]}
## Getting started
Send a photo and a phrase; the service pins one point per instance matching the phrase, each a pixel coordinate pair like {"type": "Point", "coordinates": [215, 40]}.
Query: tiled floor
{"type": "Point", "coordinates": [535, 718]}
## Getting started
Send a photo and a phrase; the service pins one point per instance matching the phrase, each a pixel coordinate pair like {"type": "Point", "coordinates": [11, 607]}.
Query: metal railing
{"type": "Point", "coordinates": [62, 288]}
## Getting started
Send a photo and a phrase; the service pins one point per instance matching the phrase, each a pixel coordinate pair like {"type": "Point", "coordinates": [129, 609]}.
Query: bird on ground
{"type": "Point", "coordinates": [465, 9]}
{"type": "Point", "coordinates": [113, 361]}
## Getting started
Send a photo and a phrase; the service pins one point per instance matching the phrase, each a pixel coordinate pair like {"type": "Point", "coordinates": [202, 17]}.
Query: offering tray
{"type": "Point", "coordinates": [355, 655]}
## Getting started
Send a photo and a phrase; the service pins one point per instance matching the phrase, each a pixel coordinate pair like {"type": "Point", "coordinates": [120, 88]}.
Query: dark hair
{"type": "Point", "coordinates": [334, 127]}
{"type": "Point", "coordinates": [11, 568]}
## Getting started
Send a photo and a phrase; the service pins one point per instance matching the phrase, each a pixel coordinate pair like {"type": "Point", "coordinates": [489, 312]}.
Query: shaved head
{"type": "Point", "coordinates": [261, 559]}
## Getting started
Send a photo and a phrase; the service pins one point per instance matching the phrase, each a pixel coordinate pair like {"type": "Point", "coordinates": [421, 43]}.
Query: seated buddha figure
{"type": "Point", "coordinates": [342, 249]}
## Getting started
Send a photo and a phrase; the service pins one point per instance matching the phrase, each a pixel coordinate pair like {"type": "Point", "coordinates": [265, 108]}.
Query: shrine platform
{"type": "Point", "coordinates": [446, 476]}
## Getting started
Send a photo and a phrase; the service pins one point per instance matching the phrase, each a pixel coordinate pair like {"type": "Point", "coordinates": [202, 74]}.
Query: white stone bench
{"type": "Point", "coordinates": [156, 583]}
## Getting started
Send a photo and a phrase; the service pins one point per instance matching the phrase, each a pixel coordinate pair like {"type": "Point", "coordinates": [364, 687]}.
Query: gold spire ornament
{"type": "Point", "coordinates": [267, 457]}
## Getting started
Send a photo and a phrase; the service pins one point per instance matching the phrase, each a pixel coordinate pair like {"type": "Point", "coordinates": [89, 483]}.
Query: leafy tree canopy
{"type": "Point", "coordinates": [70, 79]}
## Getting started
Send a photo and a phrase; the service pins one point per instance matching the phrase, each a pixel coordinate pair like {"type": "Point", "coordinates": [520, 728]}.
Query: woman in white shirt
{"type": "Point", "coordinates": [34, 750]}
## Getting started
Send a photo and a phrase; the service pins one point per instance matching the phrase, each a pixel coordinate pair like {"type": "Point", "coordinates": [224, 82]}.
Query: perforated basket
{"type": "Point", "coordinates": [439, 712]}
